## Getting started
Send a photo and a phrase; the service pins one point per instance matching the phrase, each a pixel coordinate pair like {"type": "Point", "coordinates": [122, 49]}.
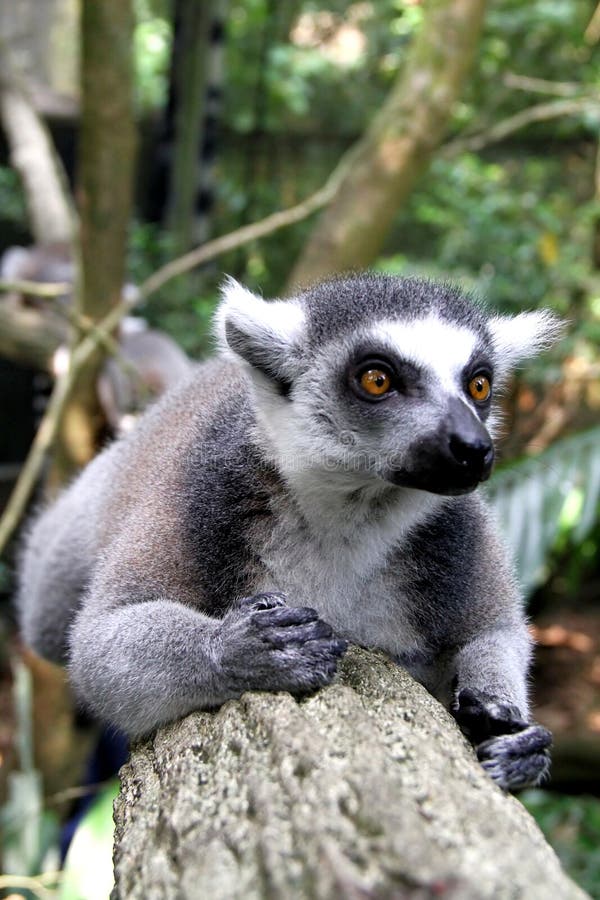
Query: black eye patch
{"type": "Point", "coordinates": [407, 378]}
{"type": "Point", "coordinates": [479, 361]}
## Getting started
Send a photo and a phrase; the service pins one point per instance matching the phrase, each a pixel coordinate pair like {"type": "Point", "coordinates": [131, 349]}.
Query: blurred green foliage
{"type": "Point", "coordinates": [509, 227]}
{"type": "Point", "coordinates": [184, 307]}
{"type": "Point", "coordinates": [572, 826]}
{"type": "Point", "coordinates": [303, 79]}
{"type": "Point", "coordinates": [13, 208]}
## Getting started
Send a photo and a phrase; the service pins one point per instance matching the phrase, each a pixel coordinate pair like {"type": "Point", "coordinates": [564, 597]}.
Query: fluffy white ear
{"type": "Point", "coordinates": [522, 336]}
{"type": "Point", "coordinates": [264, 333]}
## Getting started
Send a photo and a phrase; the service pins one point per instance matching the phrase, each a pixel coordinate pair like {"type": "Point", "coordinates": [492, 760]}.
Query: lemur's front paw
{"type": "Point", "coordinates": [515, 753]}
{"type": "Point", "coordinates": [270, 646]}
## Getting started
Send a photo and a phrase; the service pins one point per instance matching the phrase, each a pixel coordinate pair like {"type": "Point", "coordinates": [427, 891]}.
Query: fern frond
{"type": "Point", "coordinates": [543, 498]}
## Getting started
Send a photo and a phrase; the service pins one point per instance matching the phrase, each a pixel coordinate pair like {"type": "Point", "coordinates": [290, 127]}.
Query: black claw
{"type": "Point", "coordinates": [264, 601]}
{"type": "Point", "coordinates": [339, 646]}
{"type": "Point", "coordinates": [289, 648]}
{"type": "Point", "coordinates": [515, 753]}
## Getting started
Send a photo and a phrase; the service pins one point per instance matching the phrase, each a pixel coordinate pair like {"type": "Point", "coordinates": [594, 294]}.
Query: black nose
{"type": "Point", "coordinates": [472, 452]}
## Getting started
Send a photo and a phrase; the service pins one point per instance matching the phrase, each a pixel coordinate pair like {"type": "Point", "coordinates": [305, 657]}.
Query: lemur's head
{"type": "Point", "coordinates": [377, 377]}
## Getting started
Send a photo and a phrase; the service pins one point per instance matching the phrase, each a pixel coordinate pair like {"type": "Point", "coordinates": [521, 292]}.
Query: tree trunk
{"type": "Point", "coordinates": [32, 156]}
{"type": "Point", "coordinates": [384, 166]}
{"type": "Point", "coordinates": [189, 79]}
{"type": "Point", "coordinates": [107, 151]}
{"type": "Point", "coordinates": [367, 789]}
{"type": "Point", "coordinates": [104, 193]}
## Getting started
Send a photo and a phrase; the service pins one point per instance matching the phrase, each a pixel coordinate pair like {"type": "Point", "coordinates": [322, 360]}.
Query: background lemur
{"type": "Point", "coordinates": [311, 486]}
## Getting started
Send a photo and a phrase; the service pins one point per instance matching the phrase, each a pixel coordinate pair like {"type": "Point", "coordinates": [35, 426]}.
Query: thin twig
{"type": "Point", "coordinates": [81, 324]}
{"type": "Point", "coordinates": [75, 793]}
{"type": "Point", "coordinates": [541, 112]}
{"type": "Point", "coordinates": [47, 290]}
{"type": "Point", "coordinates": [544, 86]}
{"type": "Point", "coordinates": [84, 325]}
{"type": "Point", "coordinates": [14, 822]}
{"type": "Point", "coordinates": [35, 885]}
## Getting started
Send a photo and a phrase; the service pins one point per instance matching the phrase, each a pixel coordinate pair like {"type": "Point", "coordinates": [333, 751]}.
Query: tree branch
{"type": "Point", "coordinates": [47, 290]}
{"type": "Point", "coordinates": [53, 218]}
{"type": "Point", "coordinates": [543, 86]}
{"type": "Point", "coordinates": [320, 199]}
{"type": "Point", "coordinates": [401, 139]}
{"type": "Point", "coordinates": [36, 885]}
{"type": "Point", "coordinates": [286, 217]}
{"type": "Point", "coordinates": [365, 790]}
{"type": "Point", "coordinates": [541, 112]}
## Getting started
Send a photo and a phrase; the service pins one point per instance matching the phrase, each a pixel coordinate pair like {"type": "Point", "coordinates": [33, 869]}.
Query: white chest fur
{"type": "Point", "coordinates": [346, 563]}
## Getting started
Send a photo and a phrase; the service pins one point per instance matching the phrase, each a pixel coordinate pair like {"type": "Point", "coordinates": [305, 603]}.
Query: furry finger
{"type": "Point", "coordinates": [298, 634]}
{"type": "Point", "coordinates": [518, 773]}
{"type": "Point", "coordinates": [286, 616]}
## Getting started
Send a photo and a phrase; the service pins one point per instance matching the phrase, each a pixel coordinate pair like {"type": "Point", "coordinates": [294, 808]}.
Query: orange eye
{"type": "Point", "coordinates": [480, 388]}
{"type": "Point", "coordinates": [375, 382]}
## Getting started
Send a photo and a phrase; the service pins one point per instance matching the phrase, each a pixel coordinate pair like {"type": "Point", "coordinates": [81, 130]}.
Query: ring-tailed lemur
{"type": "Point", "coordinates": [311, 486]}
{"type": "Point", "coordinates": [149, 361]}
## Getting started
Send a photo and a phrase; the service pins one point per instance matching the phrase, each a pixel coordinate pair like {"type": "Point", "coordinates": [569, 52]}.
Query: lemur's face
{"type": "Point", "coordinates": [382, 380]}
{"type": "Point", "coordinates": [403, 402]}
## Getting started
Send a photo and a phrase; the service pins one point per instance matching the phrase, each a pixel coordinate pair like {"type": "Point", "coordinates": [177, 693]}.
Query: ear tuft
{"type": "Point", "coordinates": [523, 336]}
{"type": "Point", "coordinates": [263, 333]}
{"type": "Point", "coordinates": [235, 299]}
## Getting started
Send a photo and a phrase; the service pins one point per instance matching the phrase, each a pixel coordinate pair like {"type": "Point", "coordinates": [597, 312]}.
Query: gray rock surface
{"type": "Point", "coordinates": [365, 790]}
